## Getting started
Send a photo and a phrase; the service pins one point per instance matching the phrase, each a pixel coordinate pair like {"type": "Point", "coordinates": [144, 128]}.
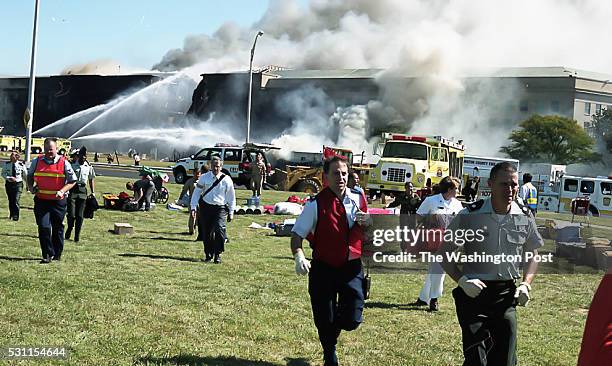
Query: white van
{"type": "Point", "coordinates": [598, 190]}
{"type": "Point", "coordinates": [480, 166]}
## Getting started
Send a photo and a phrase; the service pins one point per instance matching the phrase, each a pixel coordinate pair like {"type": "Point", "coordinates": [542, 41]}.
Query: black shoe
{"type": "Point", "coordinates": [433, 305]}
{"type": "Point", "coordinates": [418, 302]}
{"type": "Point", "coordinates": [57, 259]}
{"type": "Point", "coordinates": [76, 238]}
{"type": "Point", "coordinates": [46, 260]}
{"type": "Point", "coordinates": [217, 258]}
{"type": "Point", "coordinates": [15, 218]}
{"type": "Point", "coordinates": [67, 233]}
{"type": "Point", "coordinates": [330, 358]}
{"type": "Point", "coordinates": [208, 258]}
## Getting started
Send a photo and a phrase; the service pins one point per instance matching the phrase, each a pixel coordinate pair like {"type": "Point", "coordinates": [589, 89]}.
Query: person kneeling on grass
{"type": "Point", "coordinates": [143, 190]}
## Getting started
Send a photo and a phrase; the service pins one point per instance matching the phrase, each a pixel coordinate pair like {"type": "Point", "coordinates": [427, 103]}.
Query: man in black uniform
{"type": "Point", "coordinates": [487, 295]}
{"type": "Point", "coordinates": [409, 201]}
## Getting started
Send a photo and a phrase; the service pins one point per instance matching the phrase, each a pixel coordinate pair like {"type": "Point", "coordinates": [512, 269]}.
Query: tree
{"type": "Point", "coordinates": [602, 126]}
{"type": "Point", "coordinates": [551, 139]}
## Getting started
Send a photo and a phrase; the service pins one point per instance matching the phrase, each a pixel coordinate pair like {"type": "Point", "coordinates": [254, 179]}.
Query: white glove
{"type": "Point", "coordinates": [302, 265]}
{"type": "Point", "coordinates": [472, 287]}
{"type": "Point", "coordinates": [522, 293]}
{"type": "Point", "coordinates": [59, 194]}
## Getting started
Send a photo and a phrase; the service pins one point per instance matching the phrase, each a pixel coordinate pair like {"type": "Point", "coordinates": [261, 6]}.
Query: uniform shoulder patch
{"type": "Point", "coordinates": [523, 208]}
{"type": "Point", "coordinates": [475, 206]}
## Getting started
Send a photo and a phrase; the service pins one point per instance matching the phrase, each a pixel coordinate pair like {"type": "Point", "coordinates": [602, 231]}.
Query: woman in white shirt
{"type": "Point", "coordinates": [436, 212]}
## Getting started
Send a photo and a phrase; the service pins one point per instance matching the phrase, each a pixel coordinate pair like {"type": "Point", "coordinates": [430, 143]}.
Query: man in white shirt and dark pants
{"type": "Point", "coordinates": [214, 193]}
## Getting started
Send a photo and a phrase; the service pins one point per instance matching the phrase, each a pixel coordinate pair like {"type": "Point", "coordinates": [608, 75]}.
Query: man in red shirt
{"type": "Point", "coordinates": [333, 223]}
{"type": "Point", "coordinates": [596, 347]}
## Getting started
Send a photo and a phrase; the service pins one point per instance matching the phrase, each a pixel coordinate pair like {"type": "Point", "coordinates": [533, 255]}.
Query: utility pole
{"type": "Point", "coordinates": [28, 115]}
{"type": "Point", "coordinates": [248, 134]}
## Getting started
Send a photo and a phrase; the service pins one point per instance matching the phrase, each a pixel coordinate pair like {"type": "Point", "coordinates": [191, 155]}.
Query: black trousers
{"type": "Point", "coordinates": [76, 211]}
{"type": "Point", "coordinates": [336, 296]}
{"type": "Point", "coordinates": [50, 220]}
{"type": "Point", "coordinates": [488, 324]}
{"type": "Point", "coordinates": [13, 193]}
{"type": "Point", "coordinates": [212, 224]}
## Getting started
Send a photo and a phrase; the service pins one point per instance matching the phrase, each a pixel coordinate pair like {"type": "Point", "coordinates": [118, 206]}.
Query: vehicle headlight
{"type": "Point", "coordinates": [373, 175]}
{"type": "Point", "coordinates": [384, 172]}
{"type": "Point", "coordinates": [420, 178]}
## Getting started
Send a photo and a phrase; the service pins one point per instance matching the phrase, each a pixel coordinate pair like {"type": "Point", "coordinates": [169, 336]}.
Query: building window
{"type": "Point", "coordinates": [587, 108]}
{"type": "Point", "coordinates": [554, 105]}
{"type": "Point", "coordinates": [524, 106]}
{"type": "Point", "coordinates": [598, 108]}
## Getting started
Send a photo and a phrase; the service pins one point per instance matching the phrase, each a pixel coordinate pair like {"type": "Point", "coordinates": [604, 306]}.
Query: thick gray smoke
{"type": "Point", "coordinates": [365, 33]}
{"type": "Point", "coordinates": [100, 67]}
{"type": "Point", "coordinates": [436, 41]}
{"type": "Point", "coordinates": [425, 47]}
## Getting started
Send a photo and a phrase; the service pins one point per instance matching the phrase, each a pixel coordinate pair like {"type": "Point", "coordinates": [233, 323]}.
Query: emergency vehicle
{"type": "Point", "coordinates": [415, 159]}
{"type": "Point", "coordinates": [18, 143]}
{"type": "Point", "coordinates": [480, 166]}
{"type": "Point", "coordinates": [569, 188]}
{"type": "Point", "coordinates": [7, 142]}
{"type": "Point", "coordinates": [546, 176]}
{"type": "Point", "coordinates": [236, 161]}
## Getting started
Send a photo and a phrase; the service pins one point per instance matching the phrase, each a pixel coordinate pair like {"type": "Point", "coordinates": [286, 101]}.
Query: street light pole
{"type": "Point", "coordinates": [28, 116]}
{"type": "Point", "coordinates": [248, 134]}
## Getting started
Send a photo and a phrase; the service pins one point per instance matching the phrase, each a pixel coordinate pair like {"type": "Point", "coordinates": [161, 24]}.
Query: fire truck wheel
{"type": "Point", "coordinates": [309, 186]}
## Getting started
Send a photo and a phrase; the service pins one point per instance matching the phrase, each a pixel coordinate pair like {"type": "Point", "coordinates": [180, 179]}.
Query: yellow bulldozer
{"type": "Point", "coordinates": [309, 179]}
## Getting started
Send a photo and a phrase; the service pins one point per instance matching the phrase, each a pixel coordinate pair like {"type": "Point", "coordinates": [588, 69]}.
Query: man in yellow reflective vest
{"type": "Point", "coordinates": [529, 194]}
{"type": "Point", "coordinates": [50, 177]}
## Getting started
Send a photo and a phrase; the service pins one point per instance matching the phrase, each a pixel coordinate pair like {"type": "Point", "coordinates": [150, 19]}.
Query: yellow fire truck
{"type": "Point", "coordinates": [18, 143]}
{"type": "Point", "coordinates": [415, 159]}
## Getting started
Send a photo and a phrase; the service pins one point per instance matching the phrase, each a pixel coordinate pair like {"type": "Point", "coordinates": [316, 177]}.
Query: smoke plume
{"type": "Point", "coordinates": [99, 67]}
{"type": "Point", "coordinates": [436, 41]}
{"type": "Point", "coordinates": [426, 49]}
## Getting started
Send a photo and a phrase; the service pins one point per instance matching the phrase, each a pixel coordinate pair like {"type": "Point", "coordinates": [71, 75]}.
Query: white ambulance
{"type": "Point", "coordinates": [480, 166]}
{"type": "Point", "coordinates": [598, 190]}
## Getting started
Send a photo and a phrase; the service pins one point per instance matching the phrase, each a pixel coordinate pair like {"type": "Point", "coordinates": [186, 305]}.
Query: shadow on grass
{"type": "Point", "coordinates": [297, 362]}
{"type": "Point", "coordinates": [18, 259]}
{"type": "Point", "coordinates": [166, 238]}
{"type": "Point", "coordinates": [22, 235]}
{"type": "Point", "coordinates": [162, 257]}
{"type": "Point", "coordinates": [213, 361]}
{"type": "Point", "coordinates": [384, 305]}
{"type": "Point", "coordinates": [164, 232]}
{"type": "Point", "coordinates": [281, 257]}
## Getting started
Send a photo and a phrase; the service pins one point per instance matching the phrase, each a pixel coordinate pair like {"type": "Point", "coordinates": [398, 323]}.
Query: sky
{"type": "Point", "coordinates": [135, 33]}
{"type": "Point", "coordinates": [173, 35]}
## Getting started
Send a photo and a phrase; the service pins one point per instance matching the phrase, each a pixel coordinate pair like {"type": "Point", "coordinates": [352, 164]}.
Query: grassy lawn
{"type": "Point", "coordinates": [147, 299]}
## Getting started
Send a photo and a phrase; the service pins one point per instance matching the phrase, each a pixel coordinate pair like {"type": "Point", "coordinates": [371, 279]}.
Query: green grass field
{"type": "Point", "coordinates": [147, 299]}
